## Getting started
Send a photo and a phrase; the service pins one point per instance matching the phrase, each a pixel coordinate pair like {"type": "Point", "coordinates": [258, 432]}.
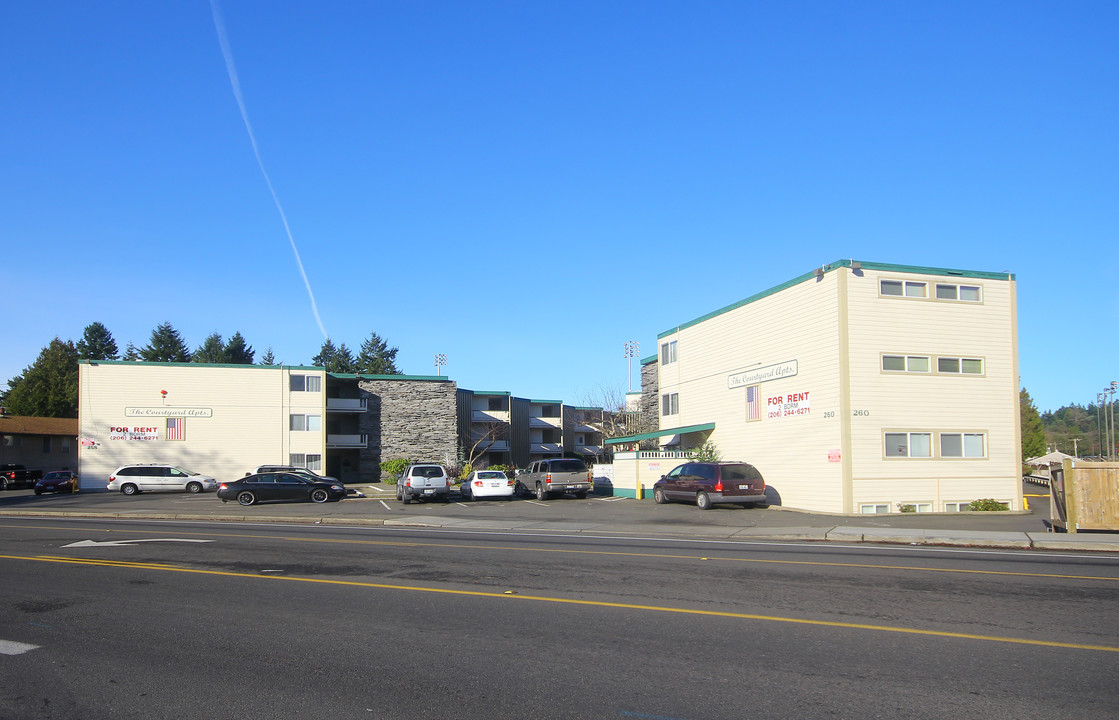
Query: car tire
{"type": "Point", "coordinates": [3, 484]}
{"type": "Point", "coordinates": [702, 500]}
{"type": "Point", "coordinates": [582, 494]}
{"type": "Point", "coordinates": [38, 491]}
{"type": "Point", "coordinates": [246, 498]}
{"type": "Point", "coordinates": [129, 489]}
{"type": "Point", "coordinates": [541, 493]}
{"type": "Point", "coordinates": [319, 495]}
{"type": "Point", "coordinates": [405, 497]}
{"type": "Point", "coordinates": [466, 497]}
{"type": "Point", "coordinates": [658, 496]}
{"type": "Point", "coordinates": [194, 488]}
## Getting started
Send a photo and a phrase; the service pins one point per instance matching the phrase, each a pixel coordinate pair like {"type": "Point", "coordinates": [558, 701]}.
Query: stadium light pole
{"type": "Point", "coordinates": [631, 350]}
{"type": "Point", "coordinates": [1099, 427]}
{"type": "Point", "coordinates": [440, 361]}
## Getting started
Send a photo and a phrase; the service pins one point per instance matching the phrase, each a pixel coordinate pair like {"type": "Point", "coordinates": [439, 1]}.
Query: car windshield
{"type": "Point", "coordinates": [491, 475]}
{"type": "Point", "coordinates": [427, 471]}
{"type": "Point", "coordinates": [567, 466]}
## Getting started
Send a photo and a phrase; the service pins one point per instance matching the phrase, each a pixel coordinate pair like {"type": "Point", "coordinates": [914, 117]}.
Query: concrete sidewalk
{"type": "Point", "coordinates": [1083, 542]}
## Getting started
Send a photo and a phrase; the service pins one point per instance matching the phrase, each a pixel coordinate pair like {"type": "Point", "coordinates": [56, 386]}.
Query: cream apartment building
{"type": "Point", "coordinates": [856, 388]}
{"type": "Point", "coordinates": [218, 420]}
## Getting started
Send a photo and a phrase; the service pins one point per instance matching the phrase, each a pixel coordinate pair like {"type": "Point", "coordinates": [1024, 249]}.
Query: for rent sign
{"type": "Point", "coordinates": [133, 433]}
{"type": "Point", "coordinates": [788, 405]}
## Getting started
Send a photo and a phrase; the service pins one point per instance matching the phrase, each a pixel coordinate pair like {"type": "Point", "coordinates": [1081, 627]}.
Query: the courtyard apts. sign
{"type": "Point", "coordinates": [168, 412]}
{"type": "Point", "coordinates": [762, 374]}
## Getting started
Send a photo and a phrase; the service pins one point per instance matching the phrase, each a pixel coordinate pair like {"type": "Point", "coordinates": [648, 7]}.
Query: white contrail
{"type": "Point", "coordinates": [219, 24]}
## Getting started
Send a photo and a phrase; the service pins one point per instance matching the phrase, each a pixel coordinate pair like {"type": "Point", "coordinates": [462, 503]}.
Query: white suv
{"type": "Point", "coordinates": [133, 479]}
{"type": "Point", "coordinates": [424, 481]}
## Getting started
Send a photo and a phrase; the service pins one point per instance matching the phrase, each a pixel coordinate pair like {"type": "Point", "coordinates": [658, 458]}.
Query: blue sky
{"type": "Point", "coordinates": [525, 186]}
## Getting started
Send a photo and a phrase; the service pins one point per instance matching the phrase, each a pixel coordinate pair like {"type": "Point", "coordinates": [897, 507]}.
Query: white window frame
{"type": "Point", "coordinates": [300, 422]}
{"type": "Point", "coordinates": [874, 508]}
{"type": "Point", "coordinates": [670, 404]}
{"type": "Point", "coordinates": [920, 507]}
{"type": "Point", "coordinates": [909, 288]}
{"type": "Point", "coordinates": [909, 435]}
{"type": "Point", "coordinates": [314, 383]}
{"type": "Point", "coordinates": [313, 462]}
{"type": "Point", "coordinates": [297, 459]}
{"type": "Point", "coordinates": [306, 383]}
{"type": "Point", "coordinates": [957, 506]}
{"type": "Point", "coordinates": [966, 452]}
{"type": "Point", "coordinates": [668, 353]}
{"type": "Point", "coordinates": [958, 292]}
{"type": "Point", "coordinates": [909, 361]}
{"type": "Point", "coordinates": [960, 365]}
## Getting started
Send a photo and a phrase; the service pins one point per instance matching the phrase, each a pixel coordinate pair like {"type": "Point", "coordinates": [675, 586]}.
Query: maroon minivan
{"type": "Point", "coordinates": [706, 483]}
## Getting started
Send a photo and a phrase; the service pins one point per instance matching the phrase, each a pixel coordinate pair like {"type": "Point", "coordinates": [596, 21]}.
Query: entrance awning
{"type": "Point", "coordinates": [661, 433]}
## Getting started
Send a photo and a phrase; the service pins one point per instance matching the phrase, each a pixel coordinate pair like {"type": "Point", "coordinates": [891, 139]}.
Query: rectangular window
{"type": "Point", "coordinates": [314, 463]}
{"type": "Point", "coordinates": [874, 508]}
{"type": "Point", "coordinates": [297, 460]}
{"type": "Point", "coordinates": [913, 445]}
{"type": "Point", "coordinates": [47, 444]}
{"type": "Point", "coordinates": [964, 293]}
{"type": "Point", "coordinates": [668, 353]}
{"type": "Point", "coordinates": [956, 506]}
{"type": "Point", "coordinates": [314, 383]}
{"type": "Point", "coordinates": [306, 383]}
{"type": "Point", "coordinates": [496, 404]}
{"type": "Point", "coordinates": [670, 404]}
{"type": "Point", "coordinates": [958, 366]}
{"type": "Point", "coordinates": [300, 423]}
{"type": "Point", "coordinates": [66, 445]}
{"type": "Point", "coordinates": [907, 288]}
{"type": "Point", "coordinates": [963, 445]}
{"type": "Point", "coordinates": [297, 383]}
{"type": "Point", "coordinates": [905, 363]}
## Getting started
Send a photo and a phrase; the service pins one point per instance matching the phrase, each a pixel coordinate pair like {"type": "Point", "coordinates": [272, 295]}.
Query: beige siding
{"type": "Point", "coordinates": [798, 323]}
{"type": "Point", "coordinates": [235, 417]}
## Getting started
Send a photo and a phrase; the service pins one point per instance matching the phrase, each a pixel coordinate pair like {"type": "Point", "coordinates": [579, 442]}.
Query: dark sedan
{"type": "Point", "coordinates": [57, 481]}
{"type": "Point", "coordinates": [252, 489]}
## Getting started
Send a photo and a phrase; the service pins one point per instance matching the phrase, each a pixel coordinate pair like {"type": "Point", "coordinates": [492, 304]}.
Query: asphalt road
{"type": "Point", "coordinates": [219, 620]}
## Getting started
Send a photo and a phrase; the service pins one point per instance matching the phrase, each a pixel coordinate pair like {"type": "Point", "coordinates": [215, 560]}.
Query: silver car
{"type": "Point", "coordinates": [133, 479]}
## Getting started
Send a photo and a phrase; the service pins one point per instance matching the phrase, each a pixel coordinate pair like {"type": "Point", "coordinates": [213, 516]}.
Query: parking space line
{"type": "Point", "coordinates": [11, 647]}
{"type": "Point", "coordinates": [534, 502]}
{"type": "Point", "coordinates": [385, 504]}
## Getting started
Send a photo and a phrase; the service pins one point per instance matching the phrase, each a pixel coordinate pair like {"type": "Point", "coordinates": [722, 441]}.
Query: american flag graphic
{"type": "Point", "coordinates": [176, 428]}
{"type": "Point", "coordinates": [753, 403]}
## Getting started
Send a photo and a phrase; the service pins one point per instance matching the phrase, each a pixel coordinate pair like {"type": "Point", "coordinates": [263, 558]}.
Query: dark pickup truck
{"type": "Point", "coordinates": [15, 475]}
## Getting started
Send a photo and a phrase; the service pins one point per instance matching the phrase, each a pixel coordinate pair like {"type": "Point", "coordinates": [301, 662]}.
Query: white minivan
{"type": "Point", "coordinates": [133, 479]}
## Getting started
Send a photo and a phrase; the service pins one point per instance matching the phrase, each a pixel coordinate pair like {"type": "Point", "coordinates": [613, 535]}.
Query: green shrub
{"type": "Point", "coordinates": [707, 452]}
{"type": "Point", "coordinates": [987, 505]}
{"type": "Point", "coordinates": [507, 469]}
{"type": "Point", "coordinates": [465, 472]}
{"type": "Point", "coordinates": [906, 508]}
{"type": "Point", "coordinates": [394, 469]}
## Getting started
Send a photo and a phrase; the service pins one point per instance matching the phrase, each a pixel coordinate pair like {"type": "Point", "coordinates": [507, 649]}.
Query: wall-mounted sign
{"type": "Point", "coordinates": [789, 405]}
{"type": "Point", "coordinates": [133, 433]}
{"type": "Point", "coordinates": [833, 456]}
{"type": "Point", "coordinates": [168, 412]}
{"type": "Point", "coordinates": [762, 374]}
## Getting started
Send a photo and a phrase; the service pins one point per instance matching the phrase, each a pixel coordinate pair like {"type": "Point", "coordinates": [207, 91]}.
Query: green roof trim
{"type": "Point", "coordinates": [883, 267]}
{"type": "Point", "coordinates": [583, 407]}
{"type": "Point", "coordinates": [503, 393]}
{"type": "Point", "coordinates": [648, 360]}
{"type": "Point", "coordinates": [201, 365]}
{"type": "Point", "coordinates": [662, 433]}
{"type": "Point", "coordinates": [547, 402]}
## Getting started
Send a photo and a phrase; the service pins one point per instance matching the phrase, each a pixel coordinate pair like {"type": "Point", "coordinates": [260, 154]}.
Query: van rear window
{"type": "Point", "coordinates": [740, 472]}
{"type": "Point", "coordinates": [567, 466]}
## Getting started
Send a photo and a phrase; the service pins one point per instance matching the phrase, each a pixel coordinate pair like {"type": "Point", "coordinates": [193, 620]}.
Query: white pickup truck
{"type": "Point", "coordinates": [554, 477]}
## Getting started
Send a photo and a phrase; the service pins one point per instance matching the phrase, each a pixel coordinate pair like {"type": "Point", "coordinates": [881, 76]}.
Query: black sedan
{"type": "Point", "coordinates": [279, 486]}
{"type": "Point", "coordinates": [57, 481]}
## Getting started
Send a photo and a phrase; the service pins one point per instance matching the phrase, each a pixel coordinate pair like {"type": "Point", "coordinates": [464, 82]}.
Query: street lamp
{"type": "Point", "coordinates": [1099, 425]}
{"type": "Point", "coordinates": [440, 361]}
{"type": "Point", "coordinates": [631, 347]}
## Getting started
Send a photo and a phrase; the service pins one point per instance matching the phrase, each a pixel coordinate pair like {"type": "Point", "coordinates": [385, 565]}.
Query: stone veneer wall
{"type": "Point", "coordinates": [413, 419]}
{"type": "Point", "coordinates": [650, 395]}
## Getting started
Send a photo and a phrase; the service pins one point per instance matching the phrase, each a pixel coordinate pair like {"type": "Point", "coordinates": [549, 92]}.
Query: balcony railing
{"type": "Point", "coordinates": [489, 416]}
{"type": "Point", "coordinates": [544, 422]}
{"type": "Point", "coordinates": [547, 447]}
{"type": "Point", "coordinates": [493, 445]}
{"type": "Point", "coordinates": [347, 441]}
{"type": "Point", "coordinates": [354, 405]}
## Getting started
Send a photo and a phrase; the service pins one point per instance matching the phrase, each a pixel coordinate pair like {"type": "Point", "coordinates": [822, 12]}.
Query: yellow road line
{"type": "Point", "coordinates": [612, 553]}
{"type": "Point", "coordinates": [585, 603]}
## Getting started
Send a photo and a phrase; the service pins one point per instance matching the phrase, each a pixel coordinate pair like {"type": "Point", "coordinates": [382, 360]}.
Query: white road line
{"type": "Point", "coordinates": [537, 503]}
{"type": "Point", "coordinates": [11, 647]}
{"type": "Point", "coordinates": [373, 487]}
{"type": "Point", "coordinates": [612, 499]}
{"type": "Point", "coordinates": [385, 504]}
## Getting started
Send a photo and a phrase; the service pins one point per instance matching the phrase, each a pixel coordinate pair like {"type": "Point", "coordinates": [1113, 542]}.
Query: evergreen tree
{"type": "Point", "coordinates": [239, 352]}
{"type": "Point", "coordinates": [130, 352]}
{"type": "Point", "coordinates": [326, 354]}
{"type": "Point", "coordinates": [97, 343]}
{"type": "Point", "coordinates": [212, 350]}
{"type": "Point", "coordinates": [268, 358]}
{"type": "Point", "coordinates": [166, 345]}
{"type": "Point", "coordinates": [376, 357]}
{"type": "Point", "coordinates": [48, 388]}
{"type": "Point", "coordinates": [1033, 431]}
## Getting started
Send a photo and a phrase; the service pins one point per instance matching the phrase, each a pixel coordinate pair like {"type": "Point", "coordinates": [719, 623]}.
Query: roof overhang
{"type": "Point", "coordinates": [662, 433]}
